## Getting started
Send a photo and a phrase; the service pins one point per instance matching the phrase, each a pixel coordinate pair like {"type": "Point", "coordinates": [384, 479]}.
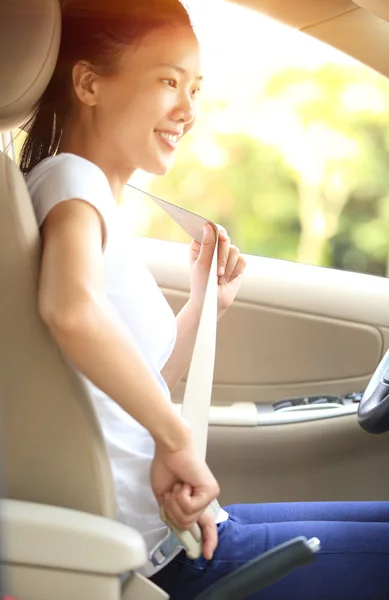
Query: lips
{"type": "Point", "coordinates": [174, 138]}
{"type": "Point", "coordinates": [169, 139]}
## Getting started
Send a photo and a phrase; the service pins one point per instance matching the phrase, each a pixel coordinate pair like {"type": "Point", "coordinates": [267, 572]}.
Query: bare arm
{"type": "Point", "coordinates": [86, 326]}
{"type": "Point", "coordinates": [233, 265]}
{"type": "Point", "coordinates": [187, 323]}
{"type": "Point", "coordinates": [73, 304]}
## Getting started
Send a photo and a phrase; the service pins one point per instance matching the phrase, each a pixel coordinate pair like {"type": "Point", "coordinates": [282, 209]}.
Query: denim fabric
{"type": "Point", "coordinates": [353, 563]}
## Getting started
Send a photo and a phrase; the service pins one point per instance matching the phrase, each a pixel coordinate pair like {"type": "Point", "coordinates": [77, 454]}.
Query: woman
{"type": "Point", "coordinates": [122, 96]}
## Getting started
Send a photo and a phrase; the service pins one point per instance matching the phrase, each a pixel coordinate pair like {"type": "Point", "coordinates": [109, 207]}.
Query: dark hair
{"type": "Point", "coordinates": [96, 31]}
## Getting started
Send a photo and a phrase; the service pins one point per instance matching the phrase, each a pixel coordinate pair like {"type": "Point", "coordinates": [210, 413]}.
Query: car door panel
{"type": "Point", "coordinates": [294, 330]}
{"type": "Point", "coordinates": [321, 460]}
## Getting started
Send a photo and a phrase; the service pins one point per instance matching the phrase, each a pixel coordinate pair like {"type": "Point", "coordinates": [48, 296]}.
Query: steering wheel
{"type": "Point", "coordinates": [373, 409]}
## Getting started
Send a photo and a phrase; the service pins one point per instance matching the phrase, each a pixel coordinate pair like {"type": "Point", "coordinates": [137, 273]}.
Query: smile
{"type": "Point", "coordinates": [170, 139]}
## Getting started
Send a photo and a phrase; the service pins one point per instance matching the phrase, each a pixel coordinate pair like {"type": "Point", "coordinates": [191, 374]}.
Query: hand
{"type": "Point", "coordinates": [231, 266]}
{"type": "Point", "coordinates": [205, 521]}
{"type": "Point", "coordinates": [184, 486]}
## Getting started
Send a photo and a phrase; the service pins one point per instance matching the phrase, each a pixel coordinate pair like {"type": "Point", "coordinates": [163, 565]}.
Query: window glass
{"type": "Point", "coordinates": [290, 152]}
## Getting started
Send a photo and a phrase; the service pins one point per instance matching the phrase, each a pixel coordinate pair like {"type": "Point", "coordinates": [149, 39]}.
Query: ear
{"type": "Point", "coordinates": [85, 83]}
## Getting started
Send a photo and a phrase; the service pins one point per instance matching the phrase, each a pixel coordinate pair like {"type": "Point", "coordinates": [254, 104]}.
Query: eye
{"type": "Point", "coordinates": [171, 82]}
{"type": "Point", "coordinates": [195, 91]}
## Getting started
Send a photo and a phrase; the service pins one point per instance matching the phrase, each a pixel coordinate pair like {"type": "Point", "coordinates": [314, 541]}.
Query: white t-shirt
{"type": "Point", "coordinates": [136, 296]}
{"type": "Point", "coordinates": [134, 293]}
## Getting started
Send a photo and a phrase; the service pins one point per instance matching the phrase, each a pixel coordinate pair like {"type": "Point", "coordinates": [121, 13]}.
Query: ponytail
{"type": "Point", "coordinates": [43, 136]}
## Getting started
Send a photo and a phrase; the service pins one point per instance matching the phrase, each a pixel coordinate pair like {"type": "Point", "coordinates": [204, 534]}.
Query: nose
{"type": "Point", "coordinates": [185, 110]}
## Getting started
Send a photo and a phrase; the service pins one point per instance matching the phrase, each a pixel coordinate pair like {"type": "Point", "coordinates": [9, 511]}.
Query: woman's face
{"type": "Point", "coordinates": [142, 111]}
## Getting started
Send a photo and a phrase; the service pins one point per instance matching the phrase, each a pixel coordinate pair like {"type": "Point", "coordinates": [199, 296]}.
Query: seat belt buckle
{"type": "Point", "coordinates": [165, 549]}
{"type": "Point", "coordinates": [190, 540]}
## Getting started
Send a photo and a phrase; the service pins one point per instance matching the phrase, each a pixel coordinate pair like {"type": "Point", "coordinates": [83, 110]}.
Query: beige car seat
{"type": "Point", "coordinates": [60, 537]}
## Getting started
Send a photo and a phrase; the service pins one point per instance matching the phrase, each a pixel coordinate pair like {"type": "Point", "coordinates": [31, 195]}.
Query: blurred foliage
{"type": "Point", "coordinates": [303, 176]}
{"type": "Point", "coordinates": [299, 170]}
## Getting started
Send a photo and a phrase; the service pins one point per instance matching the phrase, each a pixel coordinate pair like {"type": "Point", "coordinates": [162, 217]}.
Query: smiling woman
{"type": "Point", "coordinates": [142, 97]}
{"type": "Point", "coordinates": [122, 96]}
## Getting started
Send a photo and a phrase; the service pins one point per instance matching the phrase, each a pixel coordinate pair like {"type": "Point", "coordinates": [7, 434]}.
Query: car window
{"type": "Point", "coordinates": [290, 151]}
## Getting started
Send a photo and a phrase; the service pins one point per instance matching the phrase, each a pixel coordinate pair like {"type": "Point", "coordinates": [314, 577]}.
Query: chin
{"type": "Point", "coordinates": [159, 167]}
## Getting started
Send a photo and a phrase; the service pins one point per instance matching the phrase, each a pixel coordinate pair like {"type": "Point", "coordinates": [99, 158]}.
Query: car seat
{"type": "Point", "coordinates": [61, 539]}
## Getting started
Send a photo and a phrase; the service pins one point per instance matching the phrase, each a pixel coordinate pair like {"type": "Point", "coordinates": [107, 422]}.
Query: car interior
{"type": "Point", "coordinates": [294, 356]}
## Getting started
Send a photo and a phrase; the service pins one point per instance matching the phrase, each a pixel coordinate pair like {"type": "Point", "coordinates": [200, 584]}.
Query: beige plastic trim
{"type": "Point", "coordinates": [300, 13]}
{"type": "Point", "coordinates": [378, 7]}
{"type": "Point", "coordinates": [38, 583]}
{"type": "Point", "coordinates": [68, 539]}
{"type": "Point", "coordinates": [137, 587]}
{"type": "Point", "coordinates": [360, 33]}
{"type": "Point", "coordinates": [248, 414]}
{"type": "Point", "coordinates": [283, 285]}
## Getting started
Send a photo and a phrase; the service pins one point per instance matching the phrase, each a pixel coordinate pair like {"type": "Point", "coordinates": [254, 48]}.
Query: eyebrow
{"type": "Point", "coordinates": [181, 70]}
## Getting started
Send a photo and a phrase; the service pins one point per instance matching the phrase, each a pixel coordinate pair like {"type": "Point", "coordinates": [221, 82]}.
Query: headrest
{"type": "Point", "coordinates": [30, 32]}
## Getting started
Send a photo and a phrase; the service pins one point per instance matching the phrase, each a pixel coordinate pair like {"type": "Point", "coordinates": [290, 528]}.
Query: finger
{"type": "Point", "coordinates": [178, 487]}
{"type": "Point", "coordinates": [194, 250]}
{"type": "Point", "coordinates": [183, 494]}
{"type": "Point", "coordinates": [232, 261]}
{"type": "Point", "coordinates": [207, 245]}
{"type": "Point", "coordinates": [200, 500]}
{"type": "Point", "coordinates": [223, 251]}
{"type": "Point", "coordinates": [239, 268]}
{"type": "Point", "coordinates": [183, 510]}
{"type": "Point", "coordinates": [179, 521]}
{"type": "Point", "coordinates": [209, 531]}
{"type": "Point", "coordinates": [175, 515]}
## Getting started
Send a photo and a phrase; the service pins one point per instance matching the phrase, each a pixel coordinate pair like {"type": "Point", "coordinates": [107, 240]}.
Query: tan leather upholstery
{"type": "Point", "coordinates": [29, 42]}
{"type": "Point", "coordinates": [54, 451]}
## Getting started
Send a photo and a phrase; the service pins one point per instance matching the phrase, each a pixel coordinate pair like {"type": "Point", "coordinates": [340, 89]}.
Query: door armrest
{"type": "Point", "coordinates": [61, 538]}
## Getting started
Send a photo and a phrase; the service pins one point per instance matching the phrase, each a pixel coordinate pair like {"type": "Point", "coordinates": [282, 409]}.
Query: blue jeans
{"type": "Point", "coordinates": [353, 563]}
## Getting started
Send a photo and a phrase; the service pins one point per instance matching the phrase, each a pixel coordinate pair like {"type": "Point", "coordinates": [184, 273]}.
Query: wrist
{"type": "Point", "coordinates": [195, 306]}
{"type": "Point", "coordinates": [172, 433]}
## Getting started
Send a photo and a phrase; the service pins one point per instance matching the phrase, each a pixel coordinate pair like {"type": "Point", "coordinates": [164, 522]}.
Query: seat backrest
{"type": "Point", "coordinates": [54, 451]}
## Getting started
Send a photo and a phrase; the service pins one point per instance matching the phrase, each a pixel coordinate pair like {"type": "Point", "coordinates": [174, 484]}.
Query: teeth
{"type": "Point", "coordinates": [168, 136]}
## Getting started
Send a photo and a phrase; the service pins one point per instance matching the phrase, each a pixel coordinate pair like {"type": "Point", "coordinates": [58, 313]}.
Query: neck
{"type": "Point", "coordinates": [101, 154]}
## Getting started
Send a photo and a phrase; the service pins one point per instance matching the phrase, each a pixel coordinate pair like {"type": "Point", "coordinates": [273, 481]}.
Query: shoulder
{"type": "Point", "coordinates": [65, 177]}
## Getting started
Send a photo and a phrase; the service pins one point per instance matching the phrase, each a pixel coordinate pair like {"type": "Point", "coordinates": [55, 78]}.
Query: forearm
{"type": "Point", "coordinates": [99, 345]}
{"type": "Point", "coordinates": [187, 325]}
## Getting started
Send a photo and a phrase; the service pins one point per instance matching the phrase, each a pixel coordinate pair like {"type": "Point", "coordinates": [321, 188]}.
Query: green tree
{"type": "Point", "coordinates": [339, 152]}
{"type": "Point", "coordinates": [304, 176]}
{"type": "Point", "coordinates": [249, 189]}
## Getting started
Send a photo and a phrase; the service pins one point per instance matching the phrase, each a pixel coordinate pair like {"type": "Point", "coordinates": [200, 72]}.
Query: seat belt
{"type": "Point", "coordinates": [198, 389]}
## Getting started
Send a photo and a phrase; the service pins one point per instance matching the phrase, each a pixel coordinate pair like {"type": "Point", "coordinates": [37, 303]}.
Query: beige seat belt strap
{"type": "Point", "coordinates": [198, 390]}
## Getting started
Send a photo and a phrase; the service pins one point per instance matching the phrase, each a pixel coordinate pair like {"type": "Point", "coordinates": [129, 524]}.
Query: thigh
{"type": "Point", "coordinates": [377, 512]}
{"type": "Point", "coordinates": [353, 563]}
